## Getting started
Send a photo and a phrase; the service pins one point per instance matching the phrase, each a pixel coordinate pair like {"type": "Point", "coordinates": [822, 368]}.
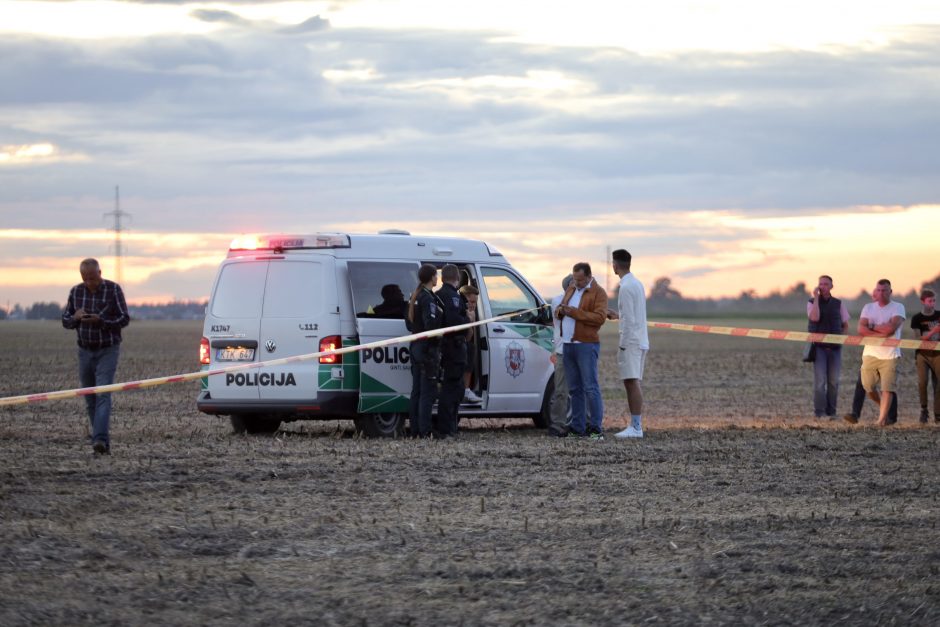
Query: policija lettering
{"type": "Point", "coordinates": [387, 355]}
{"type": "Point", "coordinates": [264, 378]}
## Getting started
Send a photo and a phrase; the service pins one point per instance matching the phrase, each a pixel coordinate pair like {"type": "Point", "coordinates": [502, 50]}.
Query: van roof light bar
{"type": "Point", "coordinates": [280, 243]}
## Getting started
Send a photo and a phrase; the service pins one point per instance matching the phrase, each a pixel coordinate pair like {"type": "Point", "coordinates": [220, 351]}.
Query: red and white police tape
{"type": "Point", "coordinates": [194, 376]}
{"type": "Point", "coordinates": [797, 336]}
{"type": "Point", "coordinates": [767, 334]}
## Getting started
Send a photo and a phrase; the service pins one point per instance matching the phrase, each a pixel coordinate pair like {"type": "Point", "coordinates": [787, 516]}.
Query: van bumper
{"type": "Point", "coordinates": [327, 406]}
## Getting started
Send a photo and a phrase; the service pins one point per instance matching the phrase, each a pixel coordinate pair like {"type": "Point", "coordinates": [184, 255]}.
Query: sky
{"type": "Point", "coordinates": [728, 144]}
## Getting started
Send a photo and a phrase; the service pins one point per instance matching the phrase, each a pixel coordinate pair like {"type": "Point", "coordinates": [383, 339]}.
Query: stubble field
{"type": "Point", "coordinates": [738, 506]}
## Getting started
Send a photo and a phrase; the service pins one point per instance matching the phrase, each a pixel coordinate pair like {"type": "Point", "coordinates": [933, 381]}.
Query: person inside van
{"type": "Point", "coordinates": [393, 303]}
{"type": "Point", "coordinates": [425, 313]}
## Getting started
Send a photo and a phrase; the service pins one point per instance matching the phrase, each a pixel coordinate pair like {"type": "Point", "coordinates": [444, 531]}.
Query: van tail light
{"type": "Point", "coordinates": [330, 343]}
{"type": "Point", "coordinates": [204, 351]}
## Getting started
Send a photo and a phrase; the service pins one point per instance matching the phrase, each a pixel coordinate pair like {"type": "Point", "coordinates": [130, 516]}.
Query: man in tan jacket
{"type": "Point", "coordinates": [582, 312]}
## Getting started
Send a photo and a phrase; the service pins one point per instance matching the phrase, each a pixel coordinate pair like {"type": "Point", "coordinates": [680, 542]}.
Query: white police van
{"type": "Point", "coordinates": [276, 296]}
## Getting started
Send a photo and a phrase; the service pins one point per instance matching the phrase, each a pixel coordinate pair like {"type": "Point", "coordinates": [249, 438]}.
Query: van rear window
{"type": "Point", "coordinates": [294, 289]}
{"type": "Point", "coordinates": [239, 290]}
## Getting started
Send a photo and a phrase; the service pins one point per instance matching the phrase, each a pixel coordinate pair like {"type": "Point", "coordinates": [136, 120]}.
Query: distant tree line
{"type": "Point", "coordinates": [666, 300]}
{"type": "Point", "coordinates": [175, 310]}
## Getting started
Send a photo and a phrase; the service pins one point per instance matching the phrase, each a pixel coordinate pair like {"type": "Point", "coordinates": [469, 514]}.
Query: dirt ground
{"type": "Point", "coordinates": [738, 506]}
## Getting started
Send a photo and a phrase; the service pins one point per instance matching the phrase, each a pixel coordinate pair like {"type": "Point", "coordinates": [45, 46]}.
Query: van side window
{"type": "Point", "coordinates": [506, 293]}
{"type": "Point", "coordinates": [381, 289]}
{"type": "Point", "coordinates": [294, 289]}
{"type": "Point", "coordinates": [239, 290]}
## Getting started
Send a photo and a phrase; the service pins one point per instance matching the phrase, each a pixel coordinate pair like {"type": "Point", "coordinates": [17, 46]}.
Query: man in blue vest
{"type": "Point", "coordinates": [826, 315]}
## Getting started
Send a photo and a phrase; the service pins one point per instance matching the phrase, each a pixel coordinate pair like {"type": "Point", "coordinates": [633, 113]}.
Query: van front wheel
{"type": "Point", "coordinates": [544, 417]}
{"type": "Point", "coordinates": [389, 425]}
{"type": "Point", "coordinates": [247, 423]}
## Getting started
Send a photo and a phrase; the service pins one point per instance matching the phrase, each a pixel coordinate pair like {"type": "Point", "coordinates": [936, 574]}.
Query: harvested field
{"type": "Point", "coordinates": [738, 506]}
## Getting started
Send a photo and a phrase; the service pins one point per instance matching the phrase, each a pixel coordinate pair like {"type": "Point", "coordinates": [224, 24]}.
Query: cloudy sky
{"type": "Point", "coordinates": [728, 144]}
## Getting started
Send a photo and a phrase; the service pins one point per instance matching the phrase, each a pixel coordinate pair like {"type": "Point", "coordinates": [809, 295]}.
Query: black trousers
{"type": "Point", "coordinates": [423, 388]}
{"type": "Point", "coordinates": [448, 404]}
{"type": "Point", "coordinates": [858, 401]}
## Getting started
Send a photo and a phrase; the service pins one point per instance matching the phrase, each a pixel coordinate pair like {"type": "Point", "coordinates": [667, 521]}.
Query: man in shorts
{"type": "Point", "coordinates": [881, 318]}
{"type": "Point", "coordinates": [634, 340]}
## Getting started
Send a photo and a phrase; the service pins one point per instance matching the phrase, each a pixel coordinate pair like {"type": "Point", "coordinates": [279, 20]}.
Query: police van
{"type": "Point", "coordinates": [276, 296]}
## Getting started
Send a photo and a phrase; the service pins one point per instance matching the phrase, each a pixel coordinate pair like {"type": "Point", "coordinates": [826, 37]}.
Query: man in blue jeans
{"type": "Point", "coordinates": [826, 314]}
{"type": "Point", "coordinates": [97, 311]}
{"type": "Point", "coordinates": [583, 311]}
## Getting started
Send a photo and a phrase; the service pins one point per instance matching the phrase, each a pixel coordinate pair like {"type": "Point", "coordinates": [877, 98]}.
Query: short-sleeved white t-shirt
{"type": "Point", "coordinates": [877, 315]}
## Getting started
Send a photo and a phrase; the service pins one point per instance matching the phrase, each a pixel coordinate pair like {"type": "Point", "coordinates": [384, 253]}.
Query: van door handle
{"type": "Point", "coordinates": [499, 330]}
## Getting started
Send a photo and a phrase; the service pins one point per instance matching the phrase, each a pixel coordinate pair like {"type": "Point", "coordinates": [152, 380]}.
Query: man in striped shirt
{"type": "Point", "coordinates": [97, 311]}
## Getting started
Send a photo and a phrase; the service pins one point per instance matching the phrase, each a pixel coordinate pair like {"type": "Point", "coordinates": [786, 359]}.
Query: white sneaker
{"type": "Point", "coordinates": [469, 396]}
{"type": "Point", "coordinates": [629, 432]}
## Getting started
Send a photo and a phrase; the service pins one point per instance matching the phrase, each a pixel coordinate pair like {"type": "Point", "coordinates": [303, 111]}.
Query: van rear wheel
{"type": "Point", "coordinates": [248, 423]}
{"type": "Point", "coordinates": [390, 425]}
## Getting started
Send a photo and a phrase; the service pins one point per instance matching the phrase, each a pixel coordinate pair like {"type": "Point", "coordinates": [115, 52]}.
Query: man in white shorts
{"type": "Point", "coordinates": [881, 318]}
{"type": "Point", "coordinates": [634, 340]}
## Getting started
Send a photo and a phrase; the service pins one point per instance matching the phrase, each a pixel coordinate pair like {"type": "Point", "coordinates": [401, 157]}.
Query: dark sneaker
{"type": "Point", "coordinates": [936, 417]}
{"type": "Point", "coordinates": [924, 415]}
{"type": "Point", "coordinates": [595, 435]}
{"type": "Point", "coordinates": [575, 435]}
{"type": "Point", "coordinates": [100, 448]}
{"type": "Point", "coordinates": [852, 419]}
{"type": "Point", "coordinates": [891, 421]}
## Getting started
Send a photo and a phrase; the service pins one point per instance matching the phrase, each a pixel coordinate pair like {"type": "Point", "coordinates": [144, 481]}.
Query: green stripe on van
{"type": "Point", "coordinates": [383, 403]}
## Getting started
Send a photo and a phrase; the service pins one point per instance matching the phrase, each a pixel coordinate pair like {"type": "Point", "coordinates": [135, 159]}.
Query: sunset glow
{"type": "Point", "coordinates": [729, 145]}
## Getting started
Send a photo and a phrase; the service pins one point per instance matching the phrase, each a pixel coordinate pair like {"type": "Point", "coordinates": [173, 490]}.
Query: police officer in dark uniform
{"type": "Point", "coordinates": [453, 353]}
{"type": "Point", "coordinates": [425, 313]}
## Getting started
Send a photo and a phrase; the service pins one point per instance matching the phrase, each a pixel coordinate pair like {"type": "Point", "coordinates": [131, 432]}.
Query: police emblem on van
{"type": "Point", "coordinates": [270, 346]}
{"type": "Point", "coordinates": [515, 359]}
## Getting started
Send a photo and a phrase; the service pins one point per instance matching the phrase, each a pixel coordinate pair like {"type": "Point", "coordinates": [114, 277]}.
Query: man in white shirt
{"type": "Point", "coordinates": [634, 340]}
{"type": "Point", "coordinates": [881, 318]}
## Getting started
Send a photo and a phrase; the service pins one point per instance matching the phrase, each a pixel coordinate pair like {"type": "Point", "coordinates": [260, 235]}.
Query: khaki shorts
{"type": "Point", "coordinates": [631, 361]}
{"type": "Point", "coordinates": [883, 370]}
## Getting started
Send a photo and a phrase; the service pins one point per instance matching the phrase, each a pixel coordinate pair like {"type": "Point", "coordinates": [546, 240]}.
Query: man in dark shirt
{"type": "Point", "coordinates": [453, 353]}
{"type": "Point", "coordinates": [827, 314]}
{"type": "Point", "coordinates": [926, 325]}
{"type": "Point", "coordinates": [97, 311]}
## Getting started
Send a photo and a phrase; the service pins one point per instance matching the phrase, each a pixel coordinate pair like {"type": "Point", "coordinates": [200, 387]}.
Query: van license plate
{"type": "Point", "coordinates": [235, 354]}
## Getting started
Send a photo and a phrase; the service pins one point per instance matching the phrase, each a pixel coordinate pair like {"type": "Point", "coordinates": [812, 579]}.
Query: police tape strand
{"type": "Point", "coordinates": [195, 376]}
{"type": "Point", "coordinates": [767, 334]}
{"type": "Point", "coordinates": [798, 336]}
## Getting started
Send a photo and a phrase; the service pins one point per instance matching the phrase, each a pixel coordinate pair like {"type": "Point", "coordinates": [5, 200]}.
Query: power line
{"type": "Point", "coordinates": [118, 229]}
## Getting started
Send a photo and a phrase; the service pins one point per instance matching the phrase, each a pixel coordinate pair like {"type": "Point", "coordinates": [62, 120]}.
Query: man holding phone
{"type": "Point", "coordinates": [827, 314]}
{"type": "Point", "coordinates": [97, 311]}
